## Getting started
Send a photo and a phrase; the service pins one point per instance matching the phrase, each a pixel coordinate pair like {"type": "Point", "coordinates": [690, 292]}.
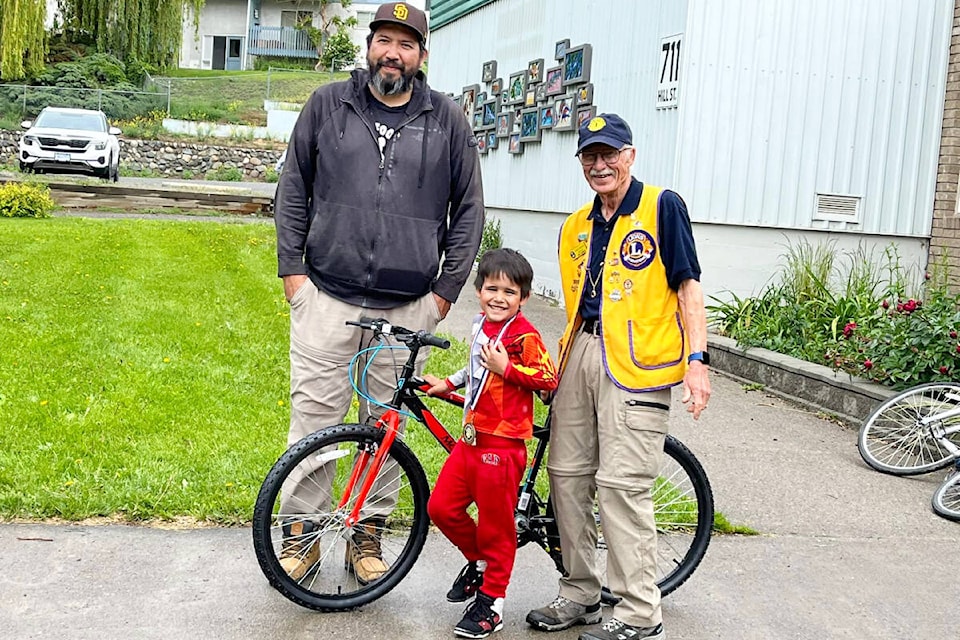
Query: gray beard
{"type": "Point", "coordinates": [391, 87]}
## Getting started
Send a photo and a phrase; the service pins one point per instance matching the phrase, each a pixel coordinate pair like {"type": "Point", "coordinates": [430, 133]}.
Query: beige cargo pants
{"type": "Point", "coordinates": [321, 347]}
{"type": "Point", "coordinates": [604, 445]}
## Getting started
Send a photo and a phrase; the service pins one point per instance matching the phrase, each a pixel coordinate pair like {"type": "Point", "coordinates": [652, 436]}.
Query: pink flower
{"type": "Point", "coordinates": [867, 363]}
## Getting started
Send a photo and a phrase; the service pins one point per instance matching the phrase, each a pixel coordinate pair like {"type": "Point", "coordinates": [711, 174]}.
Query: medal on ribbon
{"type": "Point", "coordinates": [470, 434]}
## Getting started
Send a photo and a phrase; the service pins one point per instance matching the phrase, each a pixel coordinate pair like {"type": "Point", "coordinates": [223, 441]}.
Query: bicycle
{"type": "Point", "coordinates": [354, 457]}
{"type": "Point", "coordinates": [915, 432]}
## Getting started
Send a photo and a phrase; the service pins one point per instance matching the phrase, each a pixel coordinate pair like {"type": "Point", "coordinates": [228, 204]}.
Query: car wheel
{"type": "Point", "coordinates": [23, 167]}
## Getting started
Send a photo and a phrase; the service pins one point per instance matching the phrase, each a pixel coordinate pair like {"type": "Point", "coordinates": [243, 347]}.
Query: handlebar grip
{"type": "Point", "coordinates": [435, 341]}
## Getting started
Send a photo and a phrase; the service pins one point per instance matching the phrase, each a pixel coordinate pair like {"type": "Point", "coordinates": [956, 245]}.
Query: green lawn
{"type": "Point", "coordinates": [144, 369]}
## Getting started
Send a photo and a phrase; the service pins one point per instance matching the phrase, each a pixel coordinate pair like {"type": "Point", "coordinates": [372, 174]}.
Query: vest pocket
{"type": "Point", "coordinates": [657, 343]}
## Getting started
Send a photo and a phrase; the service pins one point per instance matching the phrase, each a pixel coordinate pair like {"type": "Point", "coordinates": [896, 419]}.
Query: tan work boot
{"type": "Point", "coordinates": [300, 550]}
{"type": "Point", "coordinates": [364, 558]}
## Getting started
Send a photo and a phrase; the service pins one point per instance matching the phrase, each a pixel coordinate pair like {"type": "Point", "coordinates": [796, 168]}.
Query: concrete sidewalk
{"type": "Point", "coordinates": [842, 552]}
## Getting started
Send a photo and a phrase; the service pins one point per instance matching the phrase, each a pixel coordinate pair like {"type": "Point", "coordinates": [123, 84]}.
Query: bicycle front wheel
{"type": "Point", "coordinates": [300, 534]}
{"type": "Point", "coordinates": [895, 440]}
{"type": "Point", "coordinates": [946, 500]}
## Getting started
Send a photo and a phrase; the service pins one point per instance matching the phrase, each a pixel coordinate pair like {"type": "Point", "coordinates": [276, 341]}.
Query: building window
{"type": "Point", "coordinates": [364, 18]}
{"type": "Point", "coordinates": [295, 18]}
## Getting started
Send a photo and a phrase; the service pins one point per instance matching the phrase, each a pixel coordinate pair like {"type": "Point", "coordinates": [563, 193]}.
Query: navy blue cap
{"type": "Point", "coordinates": [606, 128]}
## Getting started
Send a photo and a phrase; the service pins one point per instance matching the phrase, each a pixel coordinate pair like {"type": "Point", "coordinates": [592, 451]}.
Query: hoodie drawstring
{"type": "Point", "coordinates": [423, 153]}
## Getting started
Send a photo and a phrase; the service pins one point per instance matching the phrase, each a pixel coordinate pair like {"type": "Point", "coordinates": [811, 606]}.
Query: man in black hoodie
{"type": "Point", "coordinates": [379, 212]}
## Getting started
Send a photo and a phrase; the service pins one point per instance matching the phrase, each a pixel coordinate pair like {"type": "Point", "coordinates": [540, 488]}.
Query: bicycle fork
{"type": "Point", "coordinates": [367, 467]}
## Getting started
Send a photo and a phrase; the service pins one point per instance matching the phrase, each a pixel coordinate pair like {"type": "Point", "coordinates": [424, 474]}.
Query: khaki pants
{"type": "Point", "coordinates": [321, 347]}
{"type": "Point", "coordinates": [603, 446]}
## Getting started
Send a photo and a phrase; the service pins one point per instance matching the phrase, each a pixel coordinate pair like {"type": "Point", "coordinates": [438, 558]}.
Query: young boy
{"type": "Point", "coordinates": [508, 363]}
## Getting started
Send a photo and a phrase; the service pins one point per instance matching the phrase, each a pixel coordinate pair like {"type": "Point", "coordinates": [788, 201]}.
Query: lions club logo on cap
{"type": "Point", "coordinates": [400, 11]}
{"type": "Point", "coordinates": [596, 124]}
{"type": "Point", "coordinates": [637, 250]}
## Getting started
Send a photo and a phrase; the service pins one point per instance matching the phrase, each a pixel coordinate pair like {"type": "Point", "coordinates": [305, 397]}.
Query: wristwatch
{"type": "Point", "coordinates": [702, 356]}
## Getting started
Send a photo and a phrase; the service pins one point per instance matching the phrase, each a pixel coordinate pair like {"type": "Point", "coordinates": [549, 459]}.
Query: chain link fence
{"type": "Point", "coordinates": [23, 102]}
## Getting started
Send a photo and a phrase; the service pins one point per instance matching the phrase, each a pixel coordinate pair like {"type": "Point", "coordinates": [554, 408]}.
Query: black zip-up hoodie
{"type": "Point", "coordinates": [369, 228]}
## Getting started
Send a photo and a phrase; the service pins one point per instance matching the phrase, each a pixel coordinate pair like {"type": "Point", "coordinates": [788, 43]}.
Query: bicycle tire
{"type": "Point", "coordinates": [327, 585]}
{"type": "Point", "coordinates": [893, 441]}
{"type": "Point", "coordinates": [682, 541]}
{"type": "Point", "coordinates": [946, 499]}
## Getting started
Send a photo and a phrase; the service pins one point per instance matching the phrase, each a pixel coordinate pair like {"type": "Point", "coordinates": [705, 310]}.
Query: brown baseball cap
{"type": "Point", "coordinates": [403, 14]}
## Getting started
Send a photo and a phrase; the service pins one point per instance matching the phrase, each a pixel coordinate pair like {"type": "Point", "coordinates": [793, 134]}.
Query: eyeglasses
{"type": "Point", "coordinates": [589, 158]}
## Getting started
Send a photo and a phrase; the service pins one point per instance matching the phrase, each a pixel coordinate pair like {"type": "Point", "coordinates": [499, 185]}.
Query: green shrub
{"type": "Point", "coordinates": [224, 173]}
{"type": "Point", "coordinates": [871, 318]}
{"type": "Point", "coordinates": [25, 200]}
{"type": "Point", "coordinates": [271, 175]}
{"type": "Point", "coordinates": [492, 238]}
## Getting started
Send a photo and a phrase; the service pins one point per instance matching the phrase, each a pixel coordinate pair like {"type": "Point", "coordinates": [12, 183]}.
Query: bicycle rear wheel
{"type": "Point", "coordinates": [946, 500]}
{"type": "Point", "coordinates": [683, 509]}
{"type": "Point", "coordinates": [894, 440]}
{"type": "Point", "coordinates": [318, 536]}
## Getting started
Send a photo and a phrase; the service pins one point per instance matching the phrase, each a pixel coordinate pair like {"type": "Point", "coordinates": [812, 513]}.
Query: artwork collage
{"type": "Point", "coordinates": [558, 98]}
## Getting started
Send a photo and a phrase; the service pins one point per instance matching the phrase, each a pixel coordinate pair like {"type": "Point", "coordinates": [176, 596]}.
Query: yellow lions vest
{"type": "Point", "coordinates": [644, 346]}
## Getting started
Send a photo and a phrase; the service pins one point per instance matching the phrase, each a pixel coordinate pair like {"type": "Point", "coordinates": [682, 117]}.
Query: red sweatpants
{"type": "Point", "coordinates": [487, 474]}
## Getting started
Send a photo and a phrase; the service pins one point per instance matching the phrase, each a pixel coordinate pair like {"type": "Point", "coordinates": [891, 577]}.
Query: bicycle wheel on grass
{"type": "Point", "coordinates": [683, 509]}
{"type": "Point", "coordinates": [946, 500]}
{"type": "Point", "coordinates": [319, 464]}
{"type": "Point", "coordinates": [894, 439]}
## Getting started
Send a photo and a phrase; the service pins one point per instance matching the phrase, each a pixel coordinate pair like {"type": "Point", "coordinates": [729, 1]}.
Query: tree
{"type": "Point", "coordinates": [22, 38]}
{"type": "Point", "coordinates": [339, 50]}
{"type": "Point", "coordinates": [320, 36]}
{"type": "Point", "coordinates": [149, 31]}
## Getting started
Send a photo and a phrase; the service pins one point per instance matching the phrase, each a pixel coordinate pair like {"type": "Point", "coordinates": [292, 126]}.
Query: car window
{"type": "Point", "coordinates": [77, 121]}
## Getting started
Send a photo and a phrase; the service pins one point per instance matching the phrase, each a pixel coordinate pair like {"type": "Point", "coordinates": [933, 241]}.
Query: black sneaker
{"type": "Point", "coordinates": [466, 584]}
{"type": "Point", "coordinates": [481, 617]}
{"type": "Point", "coordinates": [614, 629]}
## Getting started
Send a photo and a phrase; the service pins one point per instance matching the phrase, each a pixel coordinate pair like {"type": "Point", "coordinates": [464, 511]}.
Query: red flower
{"type": "Point", "coordinates": [944, 370]}
{"type": "Point", "coordinates": [953, 334]}
{"type": "Point", "coordinates": [867, 363]}
{"type": "Point", "coordinates": [958, 348]}
{"type": "Point", "coordinates": [926, 275]}
{"type": "Point", "coordinates": [899, 307]}
{"type": "Point", "coordinates": [849, 329]}
{"type": "Point", "coordinates": [910, 305]}
{"type": "Point", "coordinates": [885, 304]}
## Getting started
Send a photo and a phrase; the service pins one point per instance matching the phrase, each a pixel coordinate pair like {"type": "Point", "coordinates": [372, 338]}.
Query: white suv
{"type": "Point", "coordinates": [70, 141]}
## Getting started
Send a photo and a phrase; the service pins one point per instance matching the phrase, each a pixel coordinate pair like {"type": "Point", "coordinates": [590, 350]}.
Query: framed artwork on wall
{"type": "Point", "coordinates": [480, 99]}
{"type": "Point", "coordinates": [560, 49]}
{"type": "Point", "coordinates": [482, 142]}
{"type": "Point", "coordinates": [576, 65]}
{"type": "Point", "coordinates": [514, 145]}
{"type": "Point", "coordinates": [530, 98]}
{"type": "Point", "coordinates": [554, 81]}
{"type": "Point", "coordinates": [517, 88]}
{"type": "Point", "coordinates": [492, 140]}
{"type": "Point", "coordinates": [504, 124]}
{"type": "Point", "coordinates": [530, 125]}
{"type": "Point", "coordinates": [564, 116]}
{"type": "Point", "coordinates": [546, 117]}
{"type": "Point", "coordinates": [541, 92]}
{"type": "Point", "coordinates": [585, 94]}
{"type": "Point", "coordinates": [496, 87]}
{"type": "Point", "coordinates": [488, 119]}
{"type": "Point", "coordinates": [584, 114]}
{"type": "Point", "coordinates": [489, 70]}
{"type": "Point", "coordinates": [477, 123]}
{"type": "Point", "coordinates": [535, 71]}
{"type": "Point", "coordinates": [468, 101]}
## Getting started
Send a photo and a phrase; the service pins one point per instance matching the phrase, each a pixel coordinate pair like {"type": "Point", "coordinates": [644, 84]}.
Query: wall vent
{"type": "Point", "coordinates": [837, 208]}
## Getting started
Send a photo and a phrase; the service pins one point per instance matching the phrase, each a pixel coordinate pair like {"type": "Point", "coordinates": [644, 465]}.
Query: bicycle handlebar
{"type": "Point", "coordinates": [382, 327]}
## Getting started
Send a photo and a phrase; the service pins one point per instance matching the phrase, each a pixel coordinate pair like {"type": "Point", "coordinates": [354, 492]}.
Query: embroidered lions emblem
{"type": "Point", "coordinates": [638, 250]}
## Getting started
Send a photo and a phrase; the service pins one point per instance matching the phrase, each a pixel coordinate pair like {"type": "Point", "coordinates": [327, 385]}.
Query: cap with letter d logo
{"type": "Point", "coordinates": [403, 14]}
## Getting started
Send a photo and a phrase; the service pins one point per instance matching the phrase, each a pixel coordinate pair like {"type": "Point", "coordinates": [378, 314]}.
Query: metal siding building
{"type": "Point", "coordinates": [779, 101]}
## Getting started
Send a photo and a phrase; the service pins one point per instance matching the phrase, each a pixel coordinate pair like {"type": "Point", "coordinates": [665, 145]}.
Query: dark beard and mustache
{"type": "Point", "coordinates": [388, 86]}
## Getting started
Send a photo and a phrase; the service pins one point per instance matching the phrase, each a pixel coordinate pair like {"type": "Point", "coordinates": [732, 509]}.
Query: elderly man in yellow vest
{"type": "Point", "coordinates": [636, 326]}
